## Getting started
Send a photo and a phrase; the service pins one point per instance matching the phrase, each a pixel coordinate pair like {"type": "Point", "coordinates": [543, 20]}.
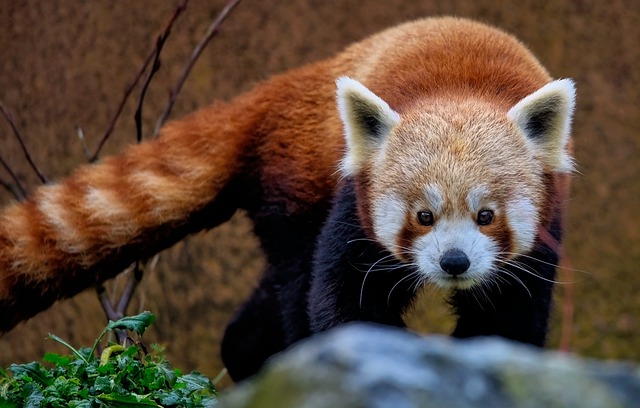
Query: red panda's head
{"type": "Point", "coordinates": [455, 185]}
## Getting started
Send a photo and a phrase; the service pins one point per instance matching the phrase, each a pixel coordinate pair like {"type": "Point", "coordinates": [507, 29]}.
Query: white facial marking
{"type": "Point", "coordinates": [476, 198]}
{"type": "Point", "coordinates": [461, 234]}
{"type": "Point", "coordinates": [434, 197]}
{"type": "Point", "coordinates": [522, 217]}
{"type": "Point", "coordinates": [388, 220]}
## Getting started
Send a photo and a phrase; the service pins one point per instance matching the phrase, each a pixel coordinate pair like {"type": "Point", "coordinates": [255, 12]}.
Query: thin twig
{"type": "Point", "coordinates": [135, 278]}
{"type": "Point", "coordinates": [19, 191]}
{"type": "Point", "coordinates": [112, 124]}
{"type": "Point", "coordinates": [110, 311]}
{"type": "Point", "coordinates": [130, 289]}
{"type": "Point", "coordinates": [195, 54]}
{"type": "Point", "coordinates": [18, 136]}
{"type": "Point", "coordinates": [130, 88]}
{"type": "Point", "coordinates": [154, 68]}
{"type": "Point", "coordinates": [112, 314]}
{"type": "Point", "coordinates": [13, 189]}
{"type": "Point", "coordinates": [80, 134]}
{"type": "Point", "coordinates": [119, 311]}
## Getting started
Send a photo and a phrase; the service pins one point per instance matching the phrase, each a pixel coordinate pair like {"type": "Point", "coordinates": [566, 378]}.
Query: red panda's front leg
{"type": "Point", "coordinates": [275, 316]}
{"type": "Point", "coordinates": [256, 332]}
{"type": "Point", "coordinates": [353, 278]}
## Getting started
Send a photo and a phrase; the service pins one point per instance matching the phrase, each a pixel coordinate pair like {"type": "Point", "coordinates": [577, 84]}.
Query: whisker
{"type": "Point", "coordinates": [473, 291]}
{"type": "Point", "coordinates": [414, 274]}
{"type": "Point", "coordinates": [545, 262]}
{"type": "Point", "coordinates": [367, 274]}
{"type": "Point", "coordinates": [348, 224]}
{"type": "Point", "coordinates": [419, 281]}
{"type": "Point", "coordinates": [516, 278]}
{"type": "Point", "coordinates": [371, 266]}
{"type": "Point", "coordinates": [524, 268]}
{"type": "Point", "coordinates": [495, 279]}
{"type": "Point", "coordinates": [362, 240]}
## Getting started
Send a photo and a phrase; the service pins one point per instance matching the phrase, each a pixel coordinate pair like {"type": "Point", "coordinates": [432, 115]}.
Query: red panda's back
{"type": "Point", "coordinates": [302, 137]}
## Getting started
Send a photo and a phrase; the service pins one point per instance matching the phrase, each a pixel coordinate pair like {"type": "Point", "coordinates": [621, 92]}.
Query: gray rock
{"type": "Point", "coordinates": [359, 365]}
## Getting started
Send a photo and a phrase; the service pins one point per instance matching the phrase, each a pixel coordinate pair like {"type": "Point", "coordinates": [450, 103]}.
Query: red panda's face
{"type": "Point", "coordinates": [455, 188]}
{"type": "Point", "coordinates": [455, 191]}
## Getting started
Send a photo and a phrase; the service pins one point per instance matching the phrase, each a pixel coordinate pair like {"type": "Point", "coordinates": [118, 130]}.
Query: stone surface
{"type": "Point", "coordinates": [360, 365]}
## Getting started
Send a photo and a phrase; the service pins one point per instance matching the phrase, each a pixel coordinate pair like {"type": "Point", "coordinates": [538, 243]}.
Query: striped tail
{"type": "Point", "coordinates": [76, 233]}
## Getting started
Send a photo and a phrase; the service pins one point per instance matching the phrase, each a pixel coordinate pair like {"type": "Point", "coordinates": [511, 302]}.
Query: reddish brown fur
{"type": "Point", "coordinates": [285, 136]}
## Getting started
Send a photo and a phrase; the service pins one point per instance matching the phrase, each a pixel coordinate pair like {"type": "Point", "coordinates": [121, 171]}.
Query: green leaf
{"type": "Point", "coordinates": [168, 373]}
{"type": "Point", "coordinates": [196, 382]}
{"type": "Point", "coordinates": [69, 346]}
{"type": "Point", "coordinates": [57, 359]}
{"type": "Point", "coordinates": [138, 323]}
{"type": "Point", "coordinates": [103, 384]}
{"type": "Point", "coordinates": [131, 400]}
{"type": "Point", "coordinates": [34, 400]}
{"type": "Point", "coordinates": [86, 403]}
{"type": "Point", "coordinates": [170, 399]}
{"type": "Point", "coordinates": [34, 371]}
{"type": "Point", "coordinates": [127, 378]}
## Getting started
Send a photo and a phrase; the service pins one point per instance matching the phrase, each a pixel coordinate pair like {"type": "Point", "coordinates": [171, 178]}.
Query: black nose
{"type": "Point", "coordinates": [454, 262]}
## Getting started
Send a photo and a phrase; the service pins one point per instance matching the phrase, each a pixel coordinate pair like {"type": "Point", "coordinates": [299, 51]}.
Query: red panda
{"type": "Point", "coordinates": [445, 159]}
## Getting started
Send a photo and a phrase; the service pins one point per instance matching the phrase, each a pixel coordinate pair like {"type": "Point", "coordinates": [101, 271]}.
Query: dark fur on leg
{"type": "Point", "coordinates": [354, 278]}
{"type": "Point", "coordinates": [276, 314]}
{"type": "Point", "coordinates": [255, 333]}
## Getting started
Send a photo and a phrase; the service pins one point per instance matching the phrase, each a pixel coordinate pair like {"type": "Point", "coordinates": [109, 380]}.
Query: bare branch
{"type": "Point", "coordinates": [80, 134]}
{"type": "Point", "coordinates": [154, 68]}
{"type": "Point", "coordinates": [109, 310]}
{"type": "Point", "coordinates": [195, 54]}
{"type": "Point", "coordinates": [178, 11]}
{"type": "Point", "coordinates": [17, 189]}
{"type": "Point", "coordinates": [112, 124]}
{"type": "Point", "coordinates": [18, 136]}
{"type": "Point", "coordinates": [135, 278]}
{"type": "Point", "coordinates": [112, 314]}
{"type": "Point", "coordinates": [13, 189]}
{"type": "Point", "coordinates": [130, 289]}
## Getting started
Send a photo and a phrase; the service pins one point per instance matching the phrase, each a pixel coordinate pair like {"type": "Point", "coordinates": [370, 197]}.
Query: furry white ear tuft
{"type": "Point", "coordinates": [544, 117]}
{"type": "Point", "coordinates": [367, 121]}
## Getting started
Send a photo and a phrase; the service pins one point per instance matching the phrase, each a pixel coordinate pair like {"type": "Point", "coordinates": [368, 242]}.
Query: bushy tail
{"type": "Point", "coordinates": [88, 227]}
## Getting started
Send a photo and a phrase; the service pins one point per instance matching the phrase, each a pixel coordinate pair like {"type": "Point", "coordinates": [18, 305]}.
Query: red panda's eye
{"type": "Point", "coordinates": [425, 218]}
{"type": "Point", "coordinates": [485, 217]}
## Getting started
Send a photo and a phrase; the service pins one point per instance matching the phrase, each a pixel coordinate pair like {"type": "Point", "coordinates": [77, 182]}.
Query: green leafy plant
{"type": "Point", "coordinates": [123, 376]}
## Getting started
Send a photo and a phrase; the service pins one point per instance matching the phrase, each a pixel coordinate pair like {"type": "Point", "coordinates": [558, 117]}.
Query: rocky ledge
{"type": "Point", "coordinates": [361, 365]}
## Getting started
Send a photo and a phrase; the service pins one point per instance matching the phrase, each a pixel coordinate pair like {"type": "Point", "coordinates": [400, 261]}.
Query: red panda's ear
{"type": "Point", "coordinates": [367, 121]}
{"type": "Point", "coordinates": [544, 117]}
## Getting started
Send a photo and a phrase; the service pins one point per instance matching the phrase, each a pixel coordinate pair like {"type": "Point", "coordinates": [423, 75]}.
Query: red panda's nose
{"type": "Point", "coordinates": [454, 262]}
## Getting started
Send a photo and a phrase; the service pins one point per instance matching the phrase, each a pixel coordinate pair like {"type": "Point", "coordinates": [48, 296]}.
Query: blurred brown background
{"type": "Point", "coordinates": [66, 63]}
